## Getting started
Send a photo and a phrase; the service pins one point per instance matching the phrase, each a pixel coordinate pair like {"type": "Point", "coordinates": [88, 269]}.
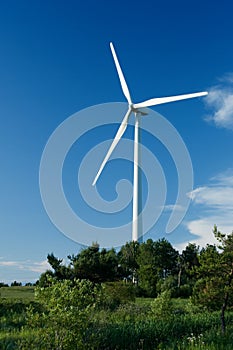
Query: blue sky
{"type": "Point", "coordinates": [55, 61]}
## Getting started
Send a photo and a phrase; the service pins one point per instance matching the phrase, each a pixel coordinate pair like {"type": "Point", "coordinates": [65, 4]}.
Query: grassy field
{"type": "Point", "coordinates": [129, 327]}
{"type": "Point", "coordinates": [17, 293]}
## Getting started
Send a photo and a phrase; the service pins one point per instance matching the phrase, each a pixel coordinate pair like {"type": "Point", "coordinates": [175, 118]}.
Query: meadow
{"type": "Point", "coordinates": [24, 294]}
{"type": "Point", "coordinates": [146, 323]}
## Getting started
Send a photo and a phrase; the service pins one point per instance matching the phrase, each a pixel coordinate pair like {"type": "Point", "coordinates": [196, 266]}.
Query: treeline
{"type": "Point", "coordinates": [147, 265]}
{"type": "Point", "coordinates": [16, 284]}
{"type": "Point", "coordinates": [154, 267]}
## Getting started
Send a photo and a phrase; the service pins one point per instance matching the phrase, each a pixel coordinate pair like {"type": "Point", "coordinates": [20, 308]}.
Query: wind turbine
{"type": "Point", "coordinates": [135, 108]}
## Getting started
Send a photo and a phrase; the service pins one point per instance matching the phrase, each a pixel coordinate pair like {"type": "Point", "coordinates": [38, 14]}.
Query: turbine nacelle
{"type": "Point", "coordinates": [138, 111]}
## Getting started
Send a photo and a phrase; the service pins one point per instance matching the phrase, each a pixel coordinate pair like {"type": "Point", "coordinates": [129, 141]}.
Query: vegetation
{"type": "Point", "coordinates": [146, 296]}
{"type": "Point", "coordinates": [25, 293]}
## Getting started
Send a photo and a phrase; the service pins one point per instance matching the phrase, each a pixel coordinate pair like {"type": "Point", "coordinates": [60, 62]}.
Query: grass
{"type": "Point", "coordinates": [17, 293]}
{"type": "Point", "coordinates": [178, 303]}
{"type": "Point", "coordinates": [131, 326]}
{"type": "Point", "coordinates": [144, 301]}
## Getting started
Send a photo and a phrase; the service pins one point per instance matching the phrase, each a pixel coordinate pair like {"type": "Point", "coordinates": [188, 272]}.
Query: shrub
{"type": "Point", "coordinates": [162, 306]}
{"type": "Point", "coordinates": [64, 323]}
{"type": "Point", "coordinates": [116, 293]}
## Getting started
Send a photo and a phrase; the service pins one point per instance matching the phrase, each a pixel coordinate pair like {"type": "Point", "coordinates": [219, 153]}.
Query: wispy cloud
{"type": "Point", "coordinates": [173, 207]}
{"type": "Point", "coordinates": [215, 201]}
{"type": "Point", "coordinates": [27, 265]}
{"type": "Point", "coordinates": [226, 78]}
{"type": "Point", "coordinates": [219, 103]}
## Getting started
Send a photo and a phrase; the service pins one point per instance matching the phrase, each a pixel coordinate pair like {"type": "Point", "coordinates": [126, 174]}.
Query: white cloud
{"type": "Point", "coordinates": [225, 178]}
{"type": "Point", "coordinates": [173, 207]}
{"type": "Point", "coordinates": [220, 103]}
{"type": "Point", "coordinates": [40, 266]}
{"type": "Point", "coordinates": [213, 196]}
{"type": "Point", "coordinates": [8, 263]}
{"type": "Point", "coordinates": [27, 265]}
{"type": "Point", "coordinates": [216, 204]}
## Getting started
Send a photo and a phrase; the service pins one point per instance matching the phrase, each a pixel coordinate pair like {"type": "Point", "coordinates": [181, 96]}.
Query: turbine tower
{"type": "Point", "coordinates": [136, 109]}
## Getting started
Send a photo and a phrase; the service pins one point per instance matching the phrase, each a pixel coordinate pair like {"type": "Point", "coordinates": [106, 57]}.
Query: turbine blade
{"type": "Point", "coordinates": [117, 138]}
{"type": "Point", "coordinates": [160, 100]}
{"type": "Point", "coordinates": [121, 76]}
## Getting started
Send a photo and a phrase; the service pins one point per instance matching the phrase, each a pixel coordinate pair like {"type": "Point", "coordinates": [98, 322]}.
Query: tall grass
{"type": "Point", "coordinates": [131, 326]}
{"type": "Point", "coordinates": [126, 329]}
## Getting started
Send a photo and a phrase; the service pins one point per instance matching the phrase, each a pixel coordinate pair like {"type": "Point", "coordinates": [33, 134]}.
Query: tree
{"type": "Point", "coordinates": [157, 261]}
{"type": "Point", "coordinates": [127, 258]}
{"type": "Point", "coordinates": [95, 265]}
{"type": "Point", "coordinates": [187, 261]}
{"type": "Point", "coordinates": [148, 269]}
{"type": "Point", "coordinates": [226, 245]}
{"type": "Point", "coordinates": [16, 284]}
{"type": "Point", "coordinates": [108, 265]}
{"type": "Point", "coordinates": [60, 271]}
{"type": "Point", "coordinates": [2, 284]}
{"type": "Point", "coordinates": [166, 258]}
{"type": "Point", "coordinates": [207, 273]}
{"type": "Point", "coordinates": [45, 279]}
{"type": "Point", "coordinates": [214, 289]}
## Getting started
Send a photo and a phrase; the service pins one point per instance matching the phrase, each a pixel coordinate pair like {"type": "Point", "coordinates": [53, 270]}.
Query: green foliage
{"type": "Point", "coordinates": [98, 311]}
{"type": "Point", "coordinates": [208, 292]}
{"type": "Point", "coordinates": [133, 332]}
{"type": "Point", "coordinates": [148, 269]}
{"type": "Point", "coordinates": [65, 320]}
{"type": "Point", "coordinates": [127, 259]}
{"type": "Point", "coordinates": [132, 312]}
{"type": "Point", "coordinates": [131, 326]}
{"type": "Point", "coordinates": [144, 264]}
{"type": "Point", "coordinates": [162, 306]}
{"type": "Point", "coordinates": [156, 262]}
{"type": "Point", "coordinates": [166, 258]}
{"type": "Point", "coordinates": [168, 284]}
{"type": "Point", "coordinates": [45, 279]}
{"type": "Point", "coordinates": [116, 293]}
{"type": "Point", "coordinates": [91, 263]}
{"type": "Point", "coordinates": [16, 284]}
{"type": "Point", "coordinates": [186, 278]}
{"type": "Point", "coordinates": [215, 273]}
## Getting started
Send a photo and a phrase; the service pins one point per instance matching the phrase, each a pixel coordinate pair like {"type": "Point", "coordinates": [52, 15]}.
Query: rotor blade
{"type": "Point", "coordinates": [160, 100]}
{"type": "Point", "coordinates": [120, 74]}
{"type": "Point", "coordinates": [117, 138]}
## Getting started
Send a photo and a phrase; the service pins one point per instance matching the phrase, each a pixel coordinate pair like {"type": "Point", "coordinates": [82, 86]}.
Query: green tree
{"type": "Point", "coordinates": [214, 289]}
{"type": "Point", "coordinates": [108, 265]}
{"type": "Point", "coordinates": [166, 258]}
{"type": "Point", "coordinates": [127, 258]}
{"type": "Point", "coordinates": [16, 284]}
{"type": "Point", "coordinates": [148, 268]}
{"type": "Point", "coordinates": [187, 261]}
{"type": "Point", "coordinates": [157, 261]}
{"type": "Point", "coordinates": [60, 271]}
{"type": "Point", "coordinates": [95, 265]}
{"type": "Point", "coordinates": [45, 278]}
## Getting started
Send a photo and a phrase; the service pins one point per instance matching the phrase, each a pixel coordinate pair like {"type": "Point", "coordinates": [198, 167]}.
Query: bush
{"type": "Point", "coordinates": [116, 293]}
{"type": "Point", "coordinates": [162, 307]}
{"type": "Point", "coordinates": [67, 316]}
